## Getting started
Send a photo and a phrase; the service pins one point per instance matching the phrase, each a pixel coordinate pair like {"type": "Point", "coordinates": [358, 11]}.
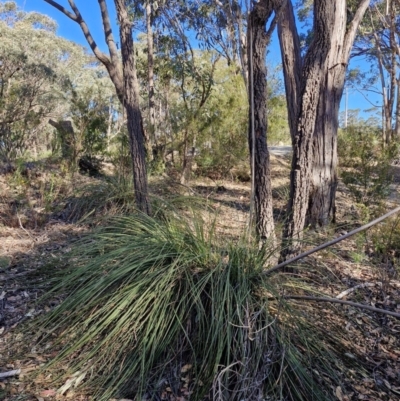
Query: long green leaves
{"type": "Point", "coordinates": [164, 303]}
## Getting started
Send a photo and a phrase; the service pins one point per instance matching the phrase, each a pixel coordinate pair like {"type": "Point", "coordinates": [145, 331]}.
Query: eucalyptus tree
{"type": "Point", "coordinates": [314, 86]}
{"type": "Point", "coordinates": [257, 39]}
{"type": "Point", "coordinates": [33, 76]}
{"type": "Point", "coordinates": [379, 41]}
{"type": "Point", "coordinates": [124, 77]}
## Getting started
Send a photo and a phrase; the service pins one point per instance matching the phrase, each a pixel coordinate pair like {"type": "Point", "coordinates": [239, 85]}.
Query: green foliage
{"type": "Point", "coordinates": [367, 172]}
{"type": "Point", "coordinates": [24, 99]}
{"type": "Point", "coordinates": [38, 70]}
{"type": "Point", "coordinates": [150, 297]}
{"type": "Point", "coordinates": [112, 195]}
{"type": "Point", "coordinates": [385, 238]}
{"type": "Point", "coordinates": [222, 138]}
{"type": "Point", "coordinates": [278, 126]}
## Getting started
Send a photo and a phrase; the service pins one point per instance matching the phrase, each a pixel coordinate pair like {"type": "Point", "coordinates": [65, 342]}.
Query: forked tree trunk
{"type": "Point", "coordinates": [131, 103]}
{"type": "Point", "coordinates": [302, 161]}
{"type": "Point", "coordinates": [257, 40]}
{"type": "Point", "coordinates": [321, 197]}
{"type": "Point", "coordinates": [124, 78]}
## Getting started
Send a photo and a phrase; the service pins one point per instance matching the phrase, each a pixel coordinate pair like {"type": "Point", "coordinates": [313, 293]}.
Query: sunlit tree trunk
{"type": "Point", "coordinates": [324, 179]}
{"type": "Point", "coordinates": [257, 42]}
{"type": "Point", "coordinates": [131, 103]}
{"type": "Point", "coordinates": [302, 162]}
{"type": "Point", "coordinates": [123, 76]}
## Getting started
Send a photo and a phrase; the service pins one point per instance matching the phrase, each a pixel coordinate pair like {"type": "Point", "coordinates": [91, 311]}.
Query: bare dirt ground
{"type": "Point", "coordinates": [374, 338]}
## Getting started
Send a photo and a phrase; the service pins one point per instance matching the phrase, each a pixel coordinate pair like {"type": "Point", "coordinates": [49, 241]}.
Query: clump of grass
{"type": "Point", "coordinates": [111, 195]}
{"type": "Point", "coordinates": [156, 302]}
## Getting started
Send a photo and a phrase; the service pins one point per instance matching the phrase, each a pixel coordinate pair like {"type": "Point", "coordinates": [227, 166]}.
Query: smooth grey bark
{"type": "Point", "coordinates": [123, 76]}
{"type": "Point", "coordinates": [257, 40]}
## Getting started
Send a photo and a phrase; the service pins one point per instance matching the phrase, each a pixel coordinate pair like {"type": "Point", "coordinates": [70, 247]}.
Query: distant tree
{"type": "Point", "coordinates": [33, 74]}
{"type": "Point", "coordinates": [379, 41]}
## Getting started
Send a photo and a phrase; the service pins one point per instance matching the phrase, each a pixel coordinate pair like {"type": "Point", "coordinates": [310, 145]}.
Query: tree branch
{"type": "Point", "coordinates": [59, 7]}
{"type": "Point", "coordinates": [108, 31]}
{"type": "Point", "coordinates": [77, 17]}
{"type": "Point", "coordinates": [352, 30]}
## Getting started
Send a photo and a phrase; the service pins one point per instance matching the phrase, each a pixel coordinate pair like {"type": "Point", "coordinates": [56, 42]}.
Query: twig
{"type": "Point", "coordinates": [339, 301]}
{"type": "Point", "coordinates": [333, 242]}
{"type": "Point", "coordinates": [10, 373]}
{"type": "Point", "coordinates": [23, 228]}
{"type": "Point", "coordinates": [350, 290]}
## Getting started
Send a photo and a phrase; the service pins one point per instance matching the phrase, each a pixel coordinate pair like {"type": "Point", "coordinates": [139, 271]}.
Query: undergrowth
{"type": "Point", "coordinates": [161, 302]}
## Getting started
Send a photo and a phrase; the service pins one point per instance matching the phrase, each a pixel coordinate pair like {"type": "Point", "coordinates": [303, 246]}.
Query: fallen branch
{"type": "Point", "coordinates": [333, 242]}
{"type": "Point", "coordinates": [339, 301]}
{"type": "Point", "coordinates": [10, 373]}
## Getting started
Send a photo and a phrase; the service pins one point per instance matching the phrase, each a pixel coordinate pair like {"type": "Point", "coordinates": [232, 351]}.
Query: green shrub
{"type": "Point", "coordinates": [367, 164]}
{"type": "Point", "coordinates": [162, 302]}
{"type": "Point", "coordinates": [114, 195]}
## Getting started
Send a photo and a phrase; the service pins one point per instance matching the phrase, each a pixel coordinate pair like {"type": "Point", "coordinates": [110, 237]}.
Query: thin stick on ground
{"type": "Point", "coordinates": [333, 242]}
{"type": "Point", "coordinates": [339, 301]}
{"type": "Point", "coordinates": [10, 373]}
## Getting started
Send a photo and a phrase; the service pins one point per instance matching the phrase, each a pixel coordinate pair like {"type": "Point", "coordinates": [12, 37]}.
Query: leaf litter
{"type": "Point", "coordinates": [371, 339]}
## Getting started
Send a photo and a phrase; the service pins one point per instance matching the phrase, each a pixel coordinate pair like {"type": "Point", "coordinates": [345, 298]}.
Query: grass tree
{"type": "Point", "coordinates": [164, 304]}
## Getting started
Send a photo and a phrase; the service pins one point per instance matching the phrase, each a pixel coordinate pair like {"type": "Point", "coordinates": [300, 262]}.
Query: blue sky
{"type": "Point", "coordinates": [90, 11]}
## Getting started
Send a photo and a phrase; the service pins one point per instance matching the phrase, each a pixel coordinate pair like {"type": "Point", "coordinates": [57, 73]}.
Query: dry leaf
{"type": "Point", "coordinates": [186, 368]}
{"type": "Point", "coordinates": [48, 393]}
{"type": "Point", "coordinates": [339, 393]}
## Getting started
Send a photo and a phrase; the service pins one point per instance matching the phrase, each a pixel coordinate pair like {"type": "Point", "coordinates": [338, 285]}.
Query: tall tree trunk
{"type": "Point", "coordinates": [124, 78]}
{"type": "Point", "coordinates": [397, 126]}
{"type": "Point", "coordinates": [291, 60]}
{"type": "Point", "coordinates": [324, 179]}
{"type": "Point", "coordinates": [150, 73]}
{"type": "Point", "coordinates": [302, 161]}
{"type": "Point", "coordinates": [131, 103]}
{"type": "Point", "coordinates": [321, 209]}
{"type": "Point", "coordinates": [257, 42]}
